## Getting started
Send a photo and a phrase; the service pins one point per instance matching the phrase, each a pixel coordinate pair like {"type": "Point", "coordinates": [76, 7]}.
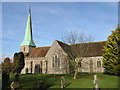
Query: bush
{"type": "Point", "coordinates": [5, 80]}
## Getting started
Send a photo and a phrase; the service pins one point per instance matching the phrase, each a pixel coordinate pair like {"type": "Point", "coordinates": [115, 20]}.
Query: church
{"type": "Point", "coordinates": [54, 59]}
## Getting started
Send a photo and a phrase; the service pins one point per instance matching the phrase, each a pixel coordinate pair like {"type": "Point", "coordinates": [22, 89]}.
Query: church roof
{"type": "Point", "coordinates": [65, 47]}
{"type": "Point", "coordinates": [89, 49]}
{"type": "Point", "coordinates": [93, 49]}
{"type": "Point", "coordinates": [39, 52]}
{"type": "Point", "coordinates": [84, 49]}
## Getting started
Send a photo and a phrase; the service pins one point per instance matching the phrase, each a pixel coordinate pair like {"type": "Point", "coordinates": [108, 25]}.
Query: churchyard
{"type": "Point", "coordinates": [0, 81]}
{"type": "Point", "coordinates": [84, 80]}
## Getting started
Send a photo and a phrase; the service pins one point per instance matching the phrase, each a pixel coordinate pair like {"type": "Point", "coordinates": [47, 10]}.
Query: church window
{"type": "Point", "coordinates": [56, 61]}
{"type": "Point", "coordinates": [41, 63]}
{"type": "Point", "coordinates": [31, 65]}
{"type": "Point", "coordinates": [26, 70]}
{"type": "Point", "coordinates": [53, 61]}
{"type": "Point", "coordinates": [24, 49]}
{"type": "Point", "coordinates": [79, 63]}
{"type": "Point", "coordinates": [98, 63]}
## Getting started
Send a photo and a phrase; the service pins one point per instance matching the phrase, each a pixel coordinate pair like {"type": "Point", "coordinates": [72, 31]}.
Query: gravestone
{"type": "Point", "coordinates": [14, 85]}
{"type": "Point", "coordinates": [63, 83]}
{"type": "Point", "coordinates": [95, 81]}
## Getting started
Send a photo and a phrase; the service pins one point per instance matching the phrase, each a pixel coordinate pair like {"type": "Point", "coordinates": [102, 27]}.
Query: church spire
{"type": "Point", "coordinates": [28, 39]}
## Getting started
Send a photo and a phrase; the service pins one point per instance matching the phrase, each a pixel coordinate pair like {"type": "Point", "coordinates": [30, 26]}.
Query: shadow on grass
{"type": "Point", "coordinates": [68, 84]}
{"type": "Point", "coordinates": [45, 82]}
{"type": "Point", "coordinates": [41, 84]}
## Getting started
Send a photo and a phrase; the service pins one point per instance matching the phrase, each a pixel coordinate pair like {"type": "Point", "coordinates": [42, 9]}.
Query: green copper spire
{"type": "Point", "coordinates": [28, 39]}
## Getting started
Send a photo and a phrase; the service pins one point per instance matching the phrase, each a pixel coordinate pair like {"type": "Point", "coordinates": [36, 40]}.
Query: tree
{"type": "Point", "coordinates": [7, 65]}
{"type": "Point", "coordinates": [78, 51]}
{"type": "Point", "coordinates": [18, 63]}
{"type": "Point", "coordinates": [111, 61]}
{"type": "Point", "coordinates": [6, 70]}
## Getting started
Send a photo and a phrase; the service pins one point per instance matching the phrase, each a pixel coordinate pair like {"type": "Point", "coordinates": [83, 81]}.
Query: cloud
{"type": "Point", "coordinates": [112, 4]}
{"type": "Point", "coordinates": [49, 9]}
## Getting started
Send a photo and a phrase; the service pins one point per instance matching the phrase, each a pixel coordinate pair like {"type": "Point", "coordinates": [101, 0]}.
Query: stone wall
{"type": "Point", "coordinates": [92, 64]}
{"type": "Point", "coordinates": [26, 49]}
{"type": "Point", "coordinates": [57, 50]}
{"type": "Point", "coordinates": [35, 65]}
{"type": "Point", "coordinates": [44, 64]}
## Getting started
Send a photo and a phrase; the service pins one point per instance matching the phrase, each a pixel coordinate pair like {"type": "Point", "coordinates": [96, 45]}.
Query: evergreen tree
{"type": "Point", "coordinates": [111, 61]}
{"type": "Point", "coordinates": [6, 70]}
{"type": "Point", "coordinates": [18, 63]}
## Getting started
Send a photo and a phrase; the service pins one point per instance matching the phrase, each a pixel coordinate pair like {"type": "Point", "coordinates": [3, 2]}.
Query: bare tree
{"type": "Point", "coordinates": [79, 48]}
{"type": "Point", "coordinates": [75, 37]}
{"type": "Point", "coordinates": [70, 38]}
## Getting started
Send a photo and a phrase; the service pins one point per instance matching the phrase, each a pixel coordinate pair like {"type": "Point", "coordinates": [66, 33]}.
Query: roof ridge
{"type": "Point", "coordinates": [88, 43]}
{"type": "Point", "coordinates": [44, 47]}
{"type": "Point", "coordinates": [61, 42]}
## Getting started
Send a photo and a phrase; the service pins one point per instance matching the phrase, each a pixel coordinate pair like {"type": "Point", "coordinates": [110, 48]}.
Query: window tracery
{"type": "Point", "coordinates": [55, 61]}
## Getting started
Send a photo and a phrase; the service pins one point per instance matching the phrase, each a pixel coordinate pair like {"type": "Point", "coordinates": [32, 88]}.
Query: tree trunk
{"type": "Point", "coordinates": [76, 71]}
{"type": "Point", "coordinates": [17, 77]}
{"type": "Point", "coordinates": [75, 74]}
{"type": "Point", "coordinates": [96, 82]}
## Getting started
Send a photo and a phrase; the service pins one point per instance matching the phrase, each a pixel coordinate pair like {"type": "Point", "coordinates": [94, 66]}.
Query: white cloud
{"type": "Point", "coordinates": [112, 5]}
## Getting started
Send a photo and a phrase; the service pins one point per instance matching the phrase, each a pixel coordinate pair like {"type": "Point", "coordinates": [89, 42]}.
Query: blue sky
{"type": "Point", "coordinates": [51, 21]}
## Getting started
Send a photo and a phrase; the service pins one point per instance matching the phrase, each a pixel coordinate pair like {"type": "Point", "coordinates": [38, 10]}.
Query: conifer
{"type": "Point", "coordinates": [111, 61]}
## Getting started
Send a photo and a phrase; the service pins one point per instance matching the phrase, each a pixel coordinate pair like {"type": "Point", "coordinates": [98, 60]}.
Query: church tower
{"type": "Point", "coordinates": [28, 44]}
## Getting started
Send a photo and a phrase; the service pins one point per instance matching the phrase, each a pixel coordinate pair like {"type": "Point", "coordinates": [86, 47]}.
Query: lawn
{"type": "Point", "coordinates": [0, 81]}
{"type": "Point", "coordinates": [85, 80]}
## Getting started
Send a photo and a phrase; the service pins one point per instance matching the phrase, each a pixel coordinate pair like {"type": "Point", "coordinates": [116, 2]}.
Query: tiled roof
{"type": "Point", "coordinates": [65, 47]}
{"type": "Point", "coordinates": [39, 52]}
{"type": "Point", "coordinates": [93, 49]}
{"type": "Point", "coordinates": [89, 49]}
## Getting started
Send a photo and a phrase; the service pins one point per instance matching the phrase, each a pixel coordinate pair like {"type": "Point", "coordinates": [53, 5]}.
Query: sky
{"type": "Point", "coordinates": [53, 20]}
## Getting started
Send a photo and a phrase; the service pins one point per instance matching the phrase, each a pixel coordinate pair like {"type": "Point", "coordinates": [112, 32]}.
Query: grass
{"type": "Point", "coordinates": [85, 80]}
{"type": "Point", "coordinates": [0, 80]}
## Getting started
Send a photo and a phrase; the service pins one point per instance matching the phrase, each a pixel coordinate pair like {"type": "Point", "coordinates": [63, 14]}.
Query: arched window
{"type": "Point", "coordinates": [37, 68]}
{"type": "Point", "coordinates": [91, 65]}
{"type": "Point", "coordinates": [55, 61]}
{"type": "Point", "coordinates": [24, 49]}
{"type": "Point", "coordinates": [79, 64]}
{"type": "Point", "coordinates": [41, 66]}
{"type": "Point", "coordinates": [26, 70]}
{"type": "Point", "coordinates": [98, 63]}
{"type": "Point", "coordinates": [58, 62]}
{"type": "Point", "coordinates": [31, 65]}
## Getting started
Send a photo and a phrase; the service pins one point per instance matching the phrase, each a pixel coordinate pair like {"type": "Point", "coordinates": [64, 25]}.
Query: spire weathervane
{"type": "Point", "coordinates": [30, 8]}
